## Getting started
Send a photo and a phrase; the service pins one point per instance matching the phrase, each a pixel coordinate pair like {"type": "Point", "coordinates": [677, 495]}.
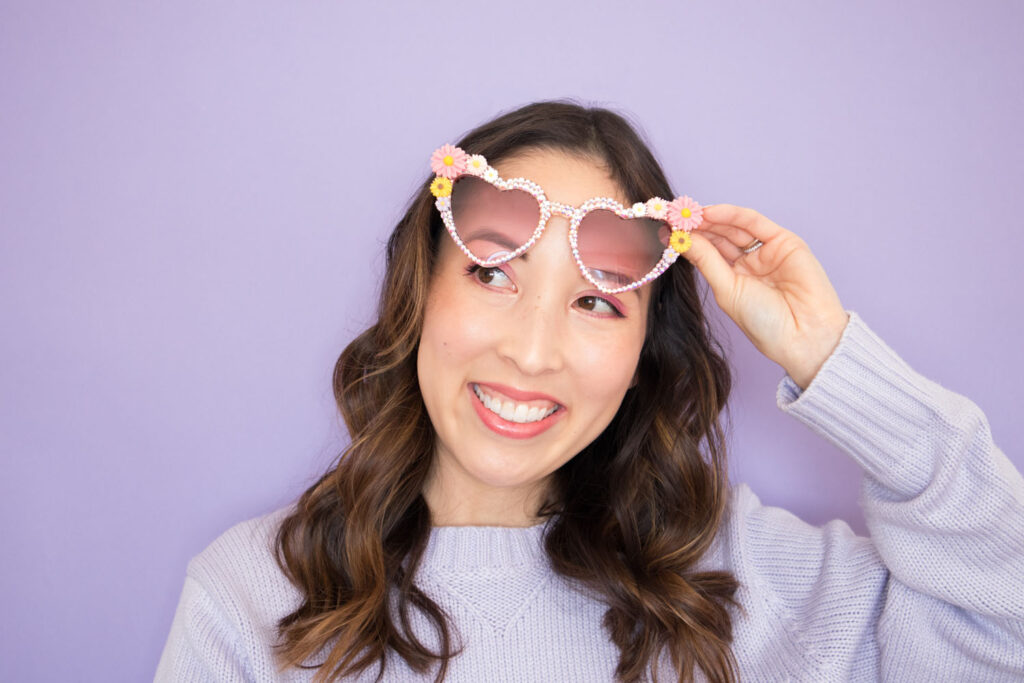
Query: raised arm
{"type": "Point", "coordinates": [939, 587]}
{"type": "Point", "coordinates": [944, 505]}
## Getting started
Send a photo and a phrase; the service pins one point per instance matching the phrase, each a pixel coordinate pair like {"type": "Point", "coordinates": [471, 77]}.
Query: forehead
{"type": "Point", "coordinates": [565, 177]}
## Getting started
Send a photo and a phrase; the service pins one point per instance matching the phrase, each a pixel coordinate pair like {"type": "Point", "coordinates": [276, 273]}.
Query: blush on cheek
{"type": "Point", "coordinates": [607, 372]}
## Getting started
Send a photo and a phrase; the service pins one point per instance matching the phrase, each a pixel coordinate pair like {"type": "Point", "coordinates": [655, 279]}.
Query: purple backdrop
{"type": "Point", "coordinates": [194, 200]}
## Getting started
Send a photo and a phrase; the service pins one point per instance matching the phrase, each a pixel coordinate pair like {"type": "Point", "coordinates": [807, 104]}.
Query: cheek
{"type": "Point", "coordinates": [453, 333]}
{"type": "Point", "coordinates": [605, 368]}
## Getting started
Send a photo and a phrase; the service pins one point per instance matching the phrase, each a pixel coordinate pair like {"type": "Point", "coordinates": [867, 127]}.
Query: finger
{"type": "Point", "coordinates": [738, 259]}
{"type": "Point", "coordinates": [735, 236]}
{"type": "Point", "coordinates": [725, 247]}
{"type": "Point", "coordinates": [753, 222]}
{"type": "Point", "coordinates": [706, 257]}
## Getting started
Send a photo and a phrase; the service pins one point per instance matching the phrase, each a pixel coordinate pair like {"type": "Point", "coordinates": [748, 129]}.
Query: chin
{"type": "Point", "coordinates": [502, 470]}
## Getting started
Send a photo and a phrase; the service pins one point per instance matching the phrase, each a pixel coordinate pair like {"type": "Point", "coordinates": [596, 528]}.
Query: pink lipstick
{"type": "Point", "coordinates": [514, 430]}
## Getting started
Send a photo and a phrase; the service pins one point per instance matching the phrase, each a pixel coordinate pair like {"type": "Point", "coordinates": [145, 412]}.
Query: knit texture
{"type": "Point", "coordinates": [935, 594]}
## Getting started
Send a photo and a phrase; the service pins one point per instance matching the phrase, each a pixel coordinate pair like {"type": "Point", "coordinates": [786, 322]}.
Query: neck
{"type": "Point", "coordinates": [457, 499]}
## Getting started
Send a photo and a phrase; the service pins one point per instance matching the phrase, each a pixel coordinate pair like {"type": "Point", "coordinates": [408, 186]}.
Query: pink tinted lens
{"type": "Point", "coordinates": [620, 251]}
{"type": "Point", "coordinates": [492, 222]}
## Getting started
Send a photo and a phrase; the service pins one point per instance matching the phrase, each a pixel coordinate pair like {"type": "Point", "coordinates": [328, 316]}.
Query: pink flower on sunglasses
{"type": "Point", "coordinates": [449, 161]}
{"type": "Point", "coordinates": [684, 213]}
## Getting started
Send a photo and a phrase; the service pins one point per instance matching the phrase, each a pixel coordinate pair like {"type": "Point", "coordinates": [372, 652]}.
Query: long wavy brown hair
{"type": "Point", "coordinates": [629, 516]}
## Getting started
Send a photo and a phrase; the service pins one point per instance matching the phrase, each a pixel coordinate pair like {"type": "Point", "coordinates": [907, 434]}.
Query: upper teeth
{"type": "Point", "coordinates": [512, 411]}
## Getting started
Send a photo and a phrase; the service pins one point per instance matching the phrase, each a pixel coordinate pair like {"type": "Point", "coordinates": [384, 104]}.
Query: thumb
{"type": "Point", "coordinates": [712, 265]}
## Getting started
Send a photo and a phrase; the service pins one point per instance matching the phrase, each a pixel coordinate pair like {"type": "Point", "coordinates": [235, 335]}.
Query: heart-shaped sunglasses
{"type": "Point", "coordinates": [494, 220]}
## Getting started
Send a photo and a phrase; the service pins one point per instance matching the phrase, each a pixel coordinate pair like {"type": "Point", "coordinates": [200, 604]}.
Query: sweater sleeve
{"type": "Point", "coordinates": [203, 646]}
{"type": "Point", "coordinates": [938, 589]}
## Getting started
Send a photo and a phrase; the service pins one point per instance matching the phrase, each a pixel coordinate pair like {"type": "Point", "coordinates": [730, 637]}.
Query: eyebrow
{"type": "Point", "coordinates": [499, 239]}
{"type": "Point", "coordinates": [620, 278]}
{"type": "Point", "coordinates": [502, 240]}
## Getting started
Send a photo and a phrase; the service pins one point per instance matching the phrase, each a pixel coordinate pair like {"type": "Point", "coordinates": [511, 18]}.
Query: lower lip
{"type": "Point", "coordinates": [513, 430]}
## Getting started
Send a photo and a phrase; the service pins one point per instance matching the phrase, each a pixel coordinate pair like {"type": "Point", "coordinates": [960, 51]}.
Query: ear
{"type": "Point", "coordinates": [636, 378]}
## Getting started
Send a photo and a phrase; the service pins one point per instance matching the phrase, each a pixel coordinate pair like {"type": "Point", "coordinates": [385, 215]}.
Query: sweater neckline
{"type": "Point", "coordinates": [468, 548]}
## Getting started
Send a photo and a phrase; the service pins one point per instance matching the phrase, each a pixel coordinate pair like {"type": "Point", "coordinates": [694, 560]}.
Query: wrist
{"type": "Point", "coordinates": [805, 367]}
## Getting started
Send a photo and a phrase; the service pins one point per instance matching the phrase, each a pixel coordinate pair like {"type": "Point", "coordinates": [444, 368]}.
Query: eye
{"type": "Point", "coordinates": [496, 277]}
{"type": "Point", "coordinates": [596, 304]}
{"type": "Point", "coordinates": [493, 276]}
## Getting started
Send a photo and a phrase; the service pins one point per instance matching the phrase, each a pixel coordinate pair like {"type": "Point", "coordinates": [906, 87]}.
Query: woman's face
{"type": "Point", "coordinates": [534, 335]}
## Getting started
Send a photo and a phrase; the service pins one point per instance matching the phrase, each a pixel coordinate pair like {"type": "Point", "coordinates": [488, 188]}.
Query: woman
{"type": "Point", "coordinates": [535, 488]}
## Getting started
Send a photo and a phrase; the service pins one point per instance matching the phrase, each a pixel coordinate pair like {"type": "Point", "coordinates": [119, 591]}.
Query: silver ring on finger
{"type": "Point", "coordinates": [753, 246]}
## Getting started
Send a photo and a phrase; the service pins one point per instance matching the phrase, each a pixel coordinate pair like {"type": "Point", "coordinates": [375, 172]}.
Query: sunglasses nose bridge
{"type": "Point", "coordinates": [563, 210]}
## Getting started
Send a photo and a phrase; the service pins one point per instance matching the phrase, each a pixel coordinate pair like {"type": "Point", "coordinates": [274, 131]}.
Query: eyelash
{"type": "Point", "coordinates": [473, 268]}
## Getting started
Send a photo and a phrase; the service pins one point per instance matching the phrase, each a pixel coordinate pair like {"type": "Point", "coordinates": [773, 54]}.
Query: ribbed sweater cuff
{"type": "Point", "coordinates": [868, 402]}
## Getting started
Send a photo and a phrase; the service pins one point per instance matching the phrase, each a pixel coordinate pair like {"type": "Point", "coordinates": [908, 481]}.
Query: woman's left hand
{"type": "Point", "coordinates": [778, 294]}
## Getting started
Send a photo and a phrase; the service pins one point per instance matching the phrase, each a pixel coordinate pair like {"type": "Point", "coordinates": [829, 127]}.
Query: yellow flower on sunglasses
{"type": "Point", "coordinates": [441, 187]}
{"type": "Point", "coordinates": [680, 240]}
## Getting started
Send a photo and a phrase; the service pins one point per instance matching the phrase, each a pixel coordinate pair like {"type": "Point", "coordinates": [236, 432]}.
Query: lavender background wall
{"type": "Point", "coordinates": [194, 199]}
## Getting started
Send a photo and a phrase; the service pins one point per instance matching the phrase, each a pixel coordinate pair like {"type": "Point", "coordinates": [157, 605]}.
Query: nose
{"type": "Point", "coordinates": [534, 336]}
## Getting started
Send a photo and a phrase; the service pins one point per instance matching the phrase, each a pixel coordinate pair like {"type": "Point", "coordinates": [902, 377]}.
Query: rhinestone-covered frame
{"type": "Point", "coordinates": [548, 208]}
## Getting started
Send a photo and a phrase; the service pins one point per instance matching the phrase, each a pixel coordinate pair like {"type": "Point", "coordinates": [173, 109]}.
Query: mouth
{"type": "Point", "coordinates": [507, 408]}
{"type": "Point", "coordinates": [520, 416]}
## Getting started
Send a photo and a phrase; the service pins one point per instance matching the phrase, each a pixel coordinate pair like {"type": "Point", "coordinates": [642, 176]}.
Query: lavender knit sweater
{"type": "Point", "coordinates": [935, 594]}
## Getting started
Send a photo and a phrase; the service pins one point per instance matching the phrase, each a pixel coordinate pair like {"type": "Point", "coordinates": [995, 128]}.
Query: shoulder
{"type": "Point", "coordinates": [812, 591]}
{"type": "Point", "coordinates": [239, 571]}
{"type": "Point", "coordinates": [768, 546]}
{"type": "Point", "coordinates": [752, 524]}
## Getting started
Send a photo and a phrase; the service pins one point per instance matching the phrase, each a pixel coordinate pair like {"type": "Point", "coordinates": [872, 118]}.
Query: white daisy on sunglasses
{"type": "Point", "coordinates": [476, 165]}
